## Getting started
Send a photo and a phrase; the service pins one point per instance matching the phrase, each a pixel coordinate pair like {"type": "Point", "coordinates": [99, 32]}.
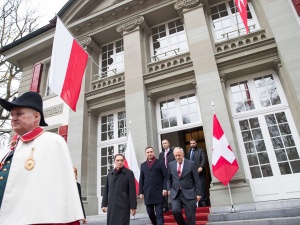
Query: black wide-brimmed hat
{"type": "Point", "coordinates": [29, 99]}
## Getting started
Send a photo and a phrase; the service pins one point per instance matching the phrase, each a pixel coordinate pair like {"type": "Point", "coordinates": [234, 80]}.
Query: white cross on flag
{"type": "Point", "coordinates": [242, 8]}
{"type": "Point", "coordinates": [224, 164]}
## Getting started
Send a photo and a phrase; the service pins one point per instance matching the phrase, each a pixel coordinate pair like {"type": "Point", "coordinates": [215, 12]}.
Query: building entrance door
{"type": "Point", "coordinates": [182, 139]}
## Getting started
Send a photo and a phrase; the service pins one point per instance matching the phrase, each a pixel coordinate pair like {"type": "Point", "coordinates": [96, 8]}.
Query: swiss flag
{"type": "Point", "coordinates": [224, 164]}
{"type": "Point", "coordinates": [68, 62]}
{"type": "Point", "coordinates": [131, 161]}
{"type": "Point", "coordinates": [242, 8]}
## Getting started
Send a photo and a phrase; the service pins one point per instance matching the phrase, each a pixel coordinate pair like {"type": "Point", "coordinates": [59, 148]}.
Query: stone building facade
{"type": "Point", "coordinates": [155, 68]}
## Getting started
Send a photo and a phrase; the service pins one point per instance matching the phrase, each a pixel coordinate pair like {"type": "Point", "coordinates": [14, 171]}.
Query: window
{"type": "Point", "coordinates": [168, 39]}
{"type": "Point", "coordinates": [224, 19]}
{"type": "Point", "coordinates": [263, 93]}
{"type": "Point", "coordinates": [112, 59]}
{"type": "Point", "coordinates": [45, 90]}
{"type": "Point", "coordinates": [177, 111]}
{"type": "Point", "coordinates": [113, 126]}
{"type": "Point", "coordinates": [112, 139]}
{"type": "Point", "coordinates": [265, 126]}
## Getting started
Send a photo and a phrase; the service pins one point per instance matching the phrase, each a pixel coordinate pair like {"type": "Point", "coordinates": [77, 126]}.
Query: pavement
{"type": "Point", "coordinates": [140, 219]}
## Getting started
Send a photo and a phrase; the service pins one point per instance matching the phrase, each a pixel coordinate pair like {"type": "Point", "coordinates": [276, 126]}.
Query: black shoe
{"type": "Point", "coordinates": [204, 205]}
{"type": "Point", "coordinates": [166, 210]}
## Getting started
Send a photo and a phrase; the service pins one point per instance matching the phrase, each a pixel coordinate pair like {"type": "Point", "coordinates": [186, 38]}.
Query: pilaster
{"type": "Point", "coordinates": [209, 89]}
{"type": "Point", "coordinates": [134, 33]}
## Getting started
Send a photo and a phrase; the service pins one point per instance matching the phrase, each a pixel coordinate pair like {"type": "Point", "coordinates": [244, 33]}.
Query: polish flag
{"type": "Point", "coordinates": [224, 164]}
{"type": "Point", "coordinates": [67, 67]}
{"type": "Point", "coordinates": [242, 8]}
{"type": "Point", "coordinates": [131, 161]}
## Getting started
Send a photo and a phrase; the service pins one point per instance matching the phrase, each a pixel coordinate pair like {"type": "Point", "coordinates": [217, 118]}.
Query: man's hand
{"type": "Point", "coordinates": [133, 212]}
{"type": "Point", "coordinates": [169, 192]}
{"type": "Point", "coordinates": [198, 198]}
{"type": "Point", "coordinates": [104, 209]}
{"type": "Point", "coordinates": [141, 196]}
{"type": "Point", "coordinates": [165, 192]}
{"type": "Point", "coordinates": [200, 169]}
{"type": "Point", "coordinates": [84, 221]}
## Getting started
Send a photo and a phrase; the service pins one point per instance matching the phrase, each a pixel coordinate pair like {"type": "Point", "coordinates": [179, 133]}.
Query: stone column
{"type": "Point", "coordinates": [286, 30]}
{"type": "Point", "coordinates": [82, 140]}
{"type": "Point", "coordinates": [209, 89]}
{"type": "Point", "coordinates": [135, 31]}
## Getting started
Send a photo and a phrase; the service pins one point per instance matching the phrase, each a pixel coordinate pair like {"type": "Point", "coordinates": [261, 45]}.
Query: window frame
{"type": "Point", "coordinates": [100, 73]}
{"type": "Point", "coordinates": [153, 57]}
{"type": "Point", "coordinates": [180, 125]}
{"type": "Point", "coordinates": [254, 17]}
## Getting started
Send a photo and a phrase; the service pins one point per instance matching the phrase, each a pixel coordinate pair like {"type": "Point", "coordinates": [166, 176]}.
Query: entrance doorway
{"type": "Point", "coordinates": [182, 139]}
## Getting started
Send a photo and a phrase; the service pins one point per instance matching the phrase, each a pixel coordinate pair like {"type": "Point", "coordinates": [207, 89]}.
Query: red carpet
{"type": "Point", "coordinates": [201, 216]}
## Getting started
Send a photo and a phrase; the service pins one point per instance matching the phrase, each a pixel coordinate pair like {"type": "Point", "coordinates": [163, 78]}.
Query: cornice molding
{"type": "Point", "coordinates": [131, 24]}
{"type": "Point", "coordinates": [186, 4]}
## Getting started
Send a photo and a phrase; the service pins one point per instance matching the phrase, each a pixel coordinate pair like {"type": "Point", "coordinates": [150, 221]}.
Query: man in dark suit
{"type": "Point", "coordinates": [198, 155]}
{"type": "Point", "coordinates": [153, 186]}
{"type": "Point", "coordinates": [166, 156]}
{"type": "Point", "coordinates": [184, 187]}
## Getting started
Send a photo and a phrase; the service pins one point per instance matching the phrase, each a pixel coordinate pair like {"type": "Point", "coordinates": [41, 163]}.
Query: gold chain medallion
{"type": "Point", "coordinates": [29, 164]}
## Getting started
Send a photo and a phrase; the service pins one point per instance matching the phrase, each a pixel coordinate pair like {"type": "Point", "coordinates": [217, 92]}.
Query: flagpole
{"type": "Point", "coordinates": [232, 208]}
{"type": "Point", "coordinates": [237, 22]}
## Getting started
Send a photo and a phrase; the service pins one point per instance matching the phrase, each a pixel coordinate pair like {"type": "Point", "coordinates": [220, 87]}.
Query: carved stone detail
{"type": "Point", "coordinates": [85, 41]}
{"type": "Point", "coordinates": [53, 111]}
{"type": "Point", "coordinates": [130, 24]}
{"type": "Point", "coordinates": [186, 4]}
{"type": "Point", "coordinates": [117, 1]}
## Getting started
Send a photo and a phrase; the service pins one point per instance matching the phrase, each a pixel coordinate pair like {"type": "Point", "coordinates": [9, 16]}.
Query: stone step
{"type": "Point", "coordinates": [255, 214]}
{"type": "Point", "coordinates": [267, 221]}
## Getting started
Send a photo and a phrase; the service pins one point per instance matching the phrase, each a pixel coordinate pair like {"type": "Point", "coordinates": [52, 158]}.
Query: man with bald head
{"type": "Point", "coordinates": [37, 184]}
{"type": "Point", "coordinates": [184, 187]}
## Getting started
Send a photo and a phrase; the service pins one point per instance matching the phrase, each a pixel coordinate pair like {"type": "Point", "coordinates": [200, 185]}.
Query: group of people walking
{"type": "Point", "coordinates": [35, 158]}
{"type": "Point", "coordinates": [171, 180]}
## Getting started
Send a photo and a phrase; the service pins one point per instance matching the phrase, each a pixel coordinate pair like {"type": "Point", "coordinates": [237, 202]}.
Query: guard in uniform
{"type": "Point", "coordinates": [37, 184]}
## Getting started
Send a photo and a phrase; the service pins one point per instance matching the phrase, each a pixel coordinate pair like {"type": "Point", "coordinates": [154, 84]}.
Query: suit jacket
{"type": "Point", "coordinates": [153, 181]}
{"type": "Point", "coordinates": [200, 159]}
{"type": "Point", "coordinates": [188, 182]}
{"type": "Point", "coordinates": [170, 155]}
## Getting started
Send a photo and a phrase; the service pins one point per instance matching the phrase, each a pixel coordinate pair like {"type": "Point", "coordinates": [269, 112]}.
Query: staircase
{"type": "Point", "coordinates": [201, 216]}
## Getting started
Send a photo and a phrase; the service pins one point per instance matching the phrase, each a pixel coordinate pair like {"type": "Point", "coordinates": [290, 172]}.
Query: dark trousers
{"type": "Point", "coordinates": [155, 212]}
{"type": "Point", "coordinates": [203, 200]}
{"type": "Point", "coordinates": [166, 204]}
{"type": "Point", "coordinates": [190, 209]}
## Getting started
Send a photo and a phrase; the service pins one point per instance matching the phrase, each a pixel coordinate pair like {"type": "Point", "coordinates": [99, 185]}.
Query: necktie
{"type": "Point", "coordinates": [192, 154]}
{"type": "Point", "coordinates": [166, 158]}
{"type": "Point", "coordinates": [179, 170]}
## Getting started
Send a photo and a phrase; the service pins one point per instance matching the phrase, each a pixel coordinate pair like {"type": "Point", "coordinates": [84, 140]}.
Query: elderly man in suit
{"type": "Point", "coordinates": [153, 186]}
{"type": "Point", "coordinates": [167, 156]}
{"type": "Point", "coordinates": [184, 187]}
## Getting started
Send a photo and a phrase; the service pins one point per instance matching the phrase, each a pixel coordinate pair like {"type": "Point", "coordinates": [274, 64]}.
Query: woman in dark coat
{"type": "Point", "coordinates": [119, 197]}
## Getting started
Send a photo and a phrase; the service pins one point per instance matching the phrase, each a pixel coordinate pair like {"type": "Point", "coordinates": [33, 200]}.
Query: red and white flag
{"type": "Point", "coordinates": [242, 8]}
{"type": "Point", "coordinates": [67, 67]}
{"type": "Point", "coordinates": [131, 161]}
{"type": "Point", "coordinates": [224, 164]}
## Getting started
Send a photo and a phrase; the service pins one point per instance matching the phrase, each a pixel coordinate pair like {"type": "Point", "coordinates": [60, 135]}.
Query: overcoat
{"type": "Point", "coordinates": [200, 159]}
{"type": "Point", "coordinates": [170, 156]}
{"type": "Point", "coordinates": [119, 196]}
{"type": "Point", "coordinates": [153, 181]}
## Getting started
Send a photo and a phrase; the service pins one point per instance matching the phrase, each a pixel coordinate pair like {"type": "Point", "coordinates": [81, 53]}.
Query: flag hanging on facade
{"type": "Point", "coordinates": [242, 8]}
{"type": "Point", "coordinates": [131, 161]}
{"type": "Point", "coordinates": [68, 62]}
{"type": "Point", "coordinates": [224, 164]}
